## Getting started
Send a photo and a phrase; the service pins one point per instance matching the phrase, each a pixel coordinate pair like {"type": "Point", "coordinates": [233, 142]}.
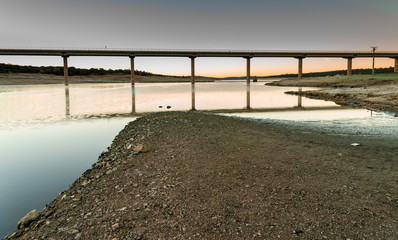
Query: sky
{"type": "Point", "coordinates": [205, 24]}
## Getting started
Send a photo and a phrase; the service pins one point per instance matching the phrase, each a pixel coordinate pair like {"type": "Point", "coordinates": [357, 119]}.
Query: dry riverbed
{"type": "Point", "coordinates": [378, 91]}
{"type": "Point", "coordinates": [202, 176]}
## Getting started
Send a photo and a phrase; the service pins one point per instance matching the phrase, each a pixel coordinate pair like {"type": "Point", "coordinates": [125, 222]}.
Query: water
{"type": "Point", "coordinates": [50, 135]}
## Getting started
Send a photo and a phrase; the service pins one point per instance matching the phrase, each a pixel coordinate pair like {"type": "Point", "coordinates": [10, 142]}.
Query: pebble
{"type": "Point", "coordinates": [115, 226]}
{"type": "Point", "coordinates": [122, 209]}
{"type": "Point", "coordinates": [138, 172]}
{"type": "Point", "coordinates": [73, 231]}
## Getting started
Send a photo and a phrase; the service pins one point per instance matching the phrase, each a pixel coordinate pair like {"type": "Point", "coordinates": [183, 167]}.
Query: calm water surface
{"type": "Point", "coordinates": [50, 135]}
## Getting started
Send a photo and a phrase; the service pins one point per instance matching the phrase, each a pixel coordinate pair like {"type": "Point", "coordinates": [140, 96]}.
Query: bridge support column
{"type": "Point", "coordinates": [192, 83]}
{"type": "Point", "coordinates": [300, 67]}
{"type": "Point", "coordinates": [132, 79]}
{"type": "Point", "coordinates": [396, 65]}
{"type": "Point", "coordinates": [248, 82]}
{"type": "Point", "coordinates": [66, 75]}
{"type": "Point", "coordinates": [349, 66]}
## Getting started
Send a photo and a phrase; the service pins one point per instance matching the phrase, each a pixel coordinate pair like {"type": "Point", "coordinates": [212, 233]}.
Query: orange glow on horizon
{"type": "Point", "coordinates": [309, 65]}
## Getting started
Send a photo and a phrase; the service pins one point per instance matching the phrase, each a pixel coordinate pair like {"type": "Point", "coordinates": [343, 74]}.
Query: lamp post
{"type": "Point", "coordinates": [373, 63]}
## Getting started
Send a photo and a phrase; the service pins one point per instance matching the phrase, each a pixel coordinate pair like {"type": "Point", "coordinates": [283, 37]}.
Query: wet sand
{"type": "Point", "coordinates": [205, 176]}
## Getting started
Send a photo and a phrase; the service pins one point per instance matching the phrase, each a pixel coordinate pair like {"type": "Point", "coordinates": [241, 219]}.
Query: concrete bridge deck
{"type": "Point", "coordinates": [194, 53]}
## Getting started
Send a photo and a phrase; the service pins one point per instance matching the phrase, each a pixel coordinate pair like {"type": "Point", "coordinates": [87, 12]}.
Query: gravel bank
{"type": "Point", "coordinates": [203, 176]}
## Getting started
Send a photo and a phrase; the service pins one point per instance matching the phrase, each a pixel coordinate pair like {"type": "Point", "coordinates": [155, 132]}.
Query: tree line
{"type": "Point", "coordinates": [56, 70]}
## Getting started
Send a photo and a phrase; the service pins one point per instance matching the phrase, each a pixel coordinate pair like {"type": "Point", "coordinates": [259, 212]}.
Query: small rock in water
{"type": "Point", "coordinates": [168, 107]}
{"type": "Point", "coordinates": [30, 217]}
{"type": "Point", "coordinates": [160, 106]}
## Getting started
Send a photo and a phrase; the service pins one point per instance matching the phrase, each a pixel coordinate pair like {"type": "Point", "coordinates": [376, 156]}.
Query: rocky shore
{"type": "Point", "coordinates": [378, 91]}
{"type": "Point", "coordinates": [201, 176]}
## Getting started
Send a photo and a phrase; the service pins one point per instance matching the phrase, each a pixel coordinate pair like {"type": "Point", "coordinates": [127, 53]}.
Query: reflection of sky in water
{"type": "Point", "coordinates": [40, 160]}
{"type": "Point", "coordinates": [47, 141]}
{"type": "Point", "coordinates": [52, 102]}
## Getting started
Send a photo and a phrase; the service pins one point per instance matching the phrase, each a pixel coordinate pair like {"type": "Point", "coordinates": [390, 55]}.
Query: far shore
{"type": "Point", "coordinates": [36, 78]}
{"type": "Point", "coordinates": [378, 92]}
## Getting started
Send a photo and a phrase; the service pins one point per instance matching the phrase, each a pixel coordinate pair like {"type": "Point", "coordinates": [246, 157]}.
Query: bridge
{"type": "Point", "coordinates": [65, 53]}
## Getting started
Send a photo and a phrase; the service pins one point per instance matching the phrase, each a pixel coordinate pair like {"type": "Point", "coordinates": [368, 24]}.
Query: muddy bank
{"type": "Point", "coordinates": [204, 176]}
{"type": "Point", "coordinates": [31, 79]}
{"type": "Point", "coordinates": [378, 91]}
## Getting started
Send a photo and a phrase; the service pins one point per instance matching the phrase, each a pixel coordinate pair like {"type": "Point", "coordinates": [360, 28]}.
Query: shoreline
{"type": "Point", "coordinates": [200, 175]}
{"type": "Point", "coordinates": [34, 79]}
{"type": "Point", "coordinates": [375, 92]}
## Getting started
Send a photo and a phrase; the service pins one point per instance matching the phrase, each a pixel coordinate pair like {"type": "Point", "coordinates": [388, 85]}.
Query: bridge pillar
{"type": "Point", "coordinates": [248, 82]}
{"type": "Point", "coordinates": [192, 83]}
{"type": "Point", "coordinates": [349, 66]}
{"type": "Point", "coordinates": [300, 67]}
{"type": "Point", "coordinates": [66, 76]}
{"type": "Point", "coordinates": [396, 65]}
{"type": "Point", "coordinates": [132, 79]}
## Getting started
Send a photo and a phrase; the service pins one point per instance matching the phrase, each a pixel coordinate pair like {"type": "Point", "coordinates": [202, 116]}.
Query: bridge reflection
{"type": "Point", "coordinates": [134, 113]}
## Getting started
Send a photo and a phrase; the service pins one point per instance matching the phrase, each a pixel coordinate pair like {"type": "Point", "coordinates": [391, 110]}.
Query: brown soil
{"type": "Point", "coordinates": [30, 79]}
{"type": "Point", "coordinates": [213, 177]}
{"type": "Point", "coordinates": [379, 94]}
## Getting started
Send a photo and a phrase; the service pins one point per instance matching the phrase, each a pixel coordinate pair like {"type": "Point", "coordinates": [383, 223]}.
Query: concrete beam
{"type": "Point", "coordinates": [192, 83]}
{"type": "Point", "coordinates": [66, 75]}
{"type": "Point", "coordinates": [248, 82]}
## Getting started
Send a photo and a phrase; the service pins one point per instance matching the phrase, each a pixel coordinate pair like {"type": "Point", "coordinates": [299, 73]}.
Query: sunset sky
{"type": "Point", "coordinates": [205, 24]}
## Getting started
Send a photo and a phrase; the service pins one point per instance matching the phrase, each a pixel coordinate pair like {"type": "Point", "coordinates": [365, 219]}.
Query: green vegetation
{"type": "Point", "coordinates": [10, 68]}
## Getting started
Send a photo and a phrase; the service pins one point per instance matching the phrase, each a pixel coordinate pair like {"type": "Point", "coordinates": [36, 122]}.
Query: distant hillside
{"type": "Point", "coordinates": [320, 74]}
{"type": "Point", "coordinates": [56, 70]}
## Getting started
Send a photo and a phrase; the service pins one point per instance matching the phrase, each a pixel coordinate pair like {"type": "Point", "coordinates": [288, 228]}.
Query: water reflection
{"type": "Point", "coordinates": [132, 98]}
{"type": "Point", "coordinates": [55, 102]}
{"type": "Point", "coordinates": [67, 102]}
{"type": "Point", "coordinates": [299, 98]}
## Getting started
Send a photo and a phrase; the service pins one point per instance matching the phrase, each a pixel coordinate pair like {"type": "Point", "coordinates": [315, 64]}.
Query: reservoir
{"type": "Point", "coordinates": [50, 135]}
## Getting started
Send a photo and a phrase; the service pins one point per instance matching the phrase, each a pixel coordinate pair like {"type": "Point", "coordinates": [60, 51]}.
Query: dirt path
{"type": "Point", "coordinates": [212, 177]}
